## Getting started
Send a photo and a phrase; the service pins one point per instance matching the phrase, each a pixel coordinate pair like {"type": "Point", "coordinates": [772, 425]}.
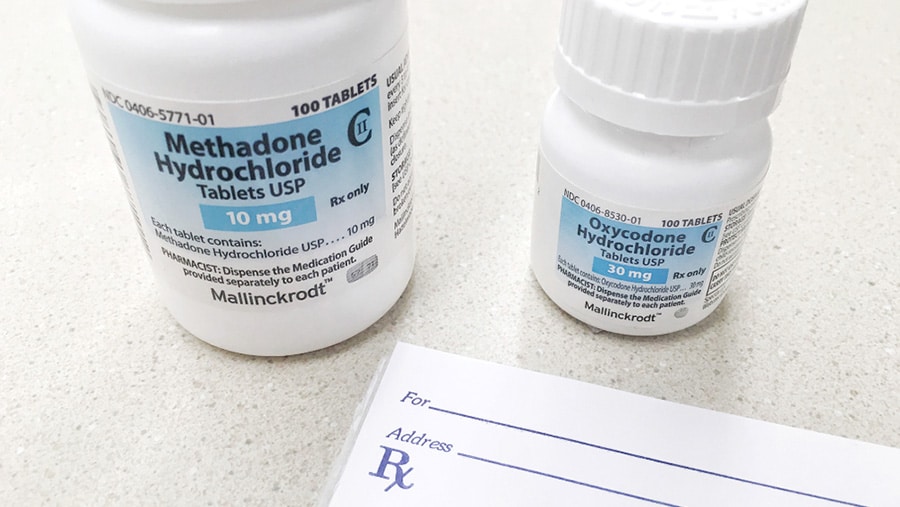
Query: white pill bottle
{"type": "Point", "coordinates": [264, 146]}
{"type": "Point", "coordinates": [653, 152]}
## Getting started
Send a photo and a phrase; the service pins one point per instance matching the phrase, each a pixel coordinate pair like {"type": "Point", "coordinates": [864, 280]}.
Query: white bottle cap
{"type": "Point", "coordinates": [677, 67]}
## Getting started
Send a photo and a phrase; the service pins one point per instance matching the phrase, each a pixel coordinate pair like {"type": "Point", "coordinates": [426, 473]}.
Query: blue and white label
{"type": "Point", "coordinates": [635, 253]}
{"type": "Point", "coordinates": [234, 178]}
{"type": "Point", "coordinates": [272, 202]}
{"type": "Point", "coordinates": [622, 268]}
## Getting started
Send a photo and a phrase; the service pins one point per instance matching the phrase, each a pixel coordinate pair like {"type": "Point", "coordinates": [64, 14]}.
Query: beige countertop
{"type": "Point", "coordinates": [104, 399]}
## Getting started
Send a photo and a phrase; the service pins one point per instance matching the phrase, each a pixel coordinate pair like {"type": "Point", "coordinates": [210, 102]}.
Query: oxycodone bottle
{"type": "Point", "coordinates": [264, 146]}
{"type": "Point", "coordinates": [653, 152]}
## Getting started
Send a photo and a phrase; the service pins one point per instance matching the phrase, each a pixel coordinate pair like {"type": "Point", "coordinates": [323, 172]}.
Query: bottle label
{"type": "Point", "coordinates": [268, 203]}
{"type": "Point", "coordinates": [645, 269]}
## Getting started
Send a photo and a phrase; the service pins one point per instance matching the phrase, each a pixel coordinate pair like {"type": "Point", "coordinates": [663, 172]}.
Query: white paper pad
{"type": "Point", "coordinates": [446, 430]}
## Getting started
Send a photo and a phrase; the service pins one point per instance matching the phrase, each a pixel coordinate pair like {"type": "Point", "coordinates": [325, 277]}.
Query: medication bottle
{"type": "Point", "coordinates": [264, 147]}
{"type": "Point", "coordinates": [652, 155]}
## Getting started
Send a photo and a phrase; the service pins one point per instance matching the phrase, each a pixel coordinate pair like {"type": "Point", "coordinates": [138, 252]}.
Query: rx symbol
{"type": "Point", "coordinates": [387, 459]}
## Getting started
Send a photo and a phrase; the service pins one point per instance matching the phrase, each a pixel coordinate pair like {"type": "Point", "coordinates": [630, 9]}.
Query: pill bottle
{"type": "Point", "coordinates": [653, 152]}
{"type": "Point", "coordinates": [264, 147]}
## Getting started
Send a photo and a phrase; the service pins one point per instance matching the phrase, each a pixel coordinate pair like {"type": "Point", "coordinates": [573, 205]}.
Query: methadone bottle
{"type": "Point", "coordinates": [652, 155]}
{"type": "Point", "coordinates": [265, 152]}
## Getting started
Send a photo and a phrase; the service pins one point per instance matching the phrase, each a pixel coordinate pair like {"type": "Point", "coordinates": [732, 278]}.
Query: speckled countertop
{"type": "Point", "coordinates": [104, 399]}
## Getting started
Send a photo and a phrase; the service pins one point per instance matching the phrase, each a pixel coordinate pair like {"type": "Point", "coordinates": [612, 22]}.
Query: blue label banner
{"type": "Point", "coordinates": [259, 218]}
{"type": "Point", "coordinates": [629, 273]}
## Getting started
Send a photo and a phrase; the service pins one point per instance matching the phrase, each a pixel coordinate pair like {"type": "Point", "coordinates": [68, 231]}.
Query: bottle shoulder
{"type": "Point", "coordinates": [649, 169]}
{"type": "Point", "coordinates": [233, 51]}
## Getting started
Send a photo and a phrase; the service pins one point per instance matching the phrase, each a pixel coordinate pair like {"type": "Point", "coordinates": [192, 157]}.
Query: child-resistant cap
{"type": "Point", "coordinates": [677, 67]}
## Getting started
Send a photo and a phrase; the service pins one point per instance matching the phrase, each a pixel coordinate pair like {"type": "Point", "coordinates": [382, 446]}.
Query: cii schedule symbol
{"type": "Point", "coordinates": [358, 131]}
{"type": "Point", "coordinates": [391, 468]}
